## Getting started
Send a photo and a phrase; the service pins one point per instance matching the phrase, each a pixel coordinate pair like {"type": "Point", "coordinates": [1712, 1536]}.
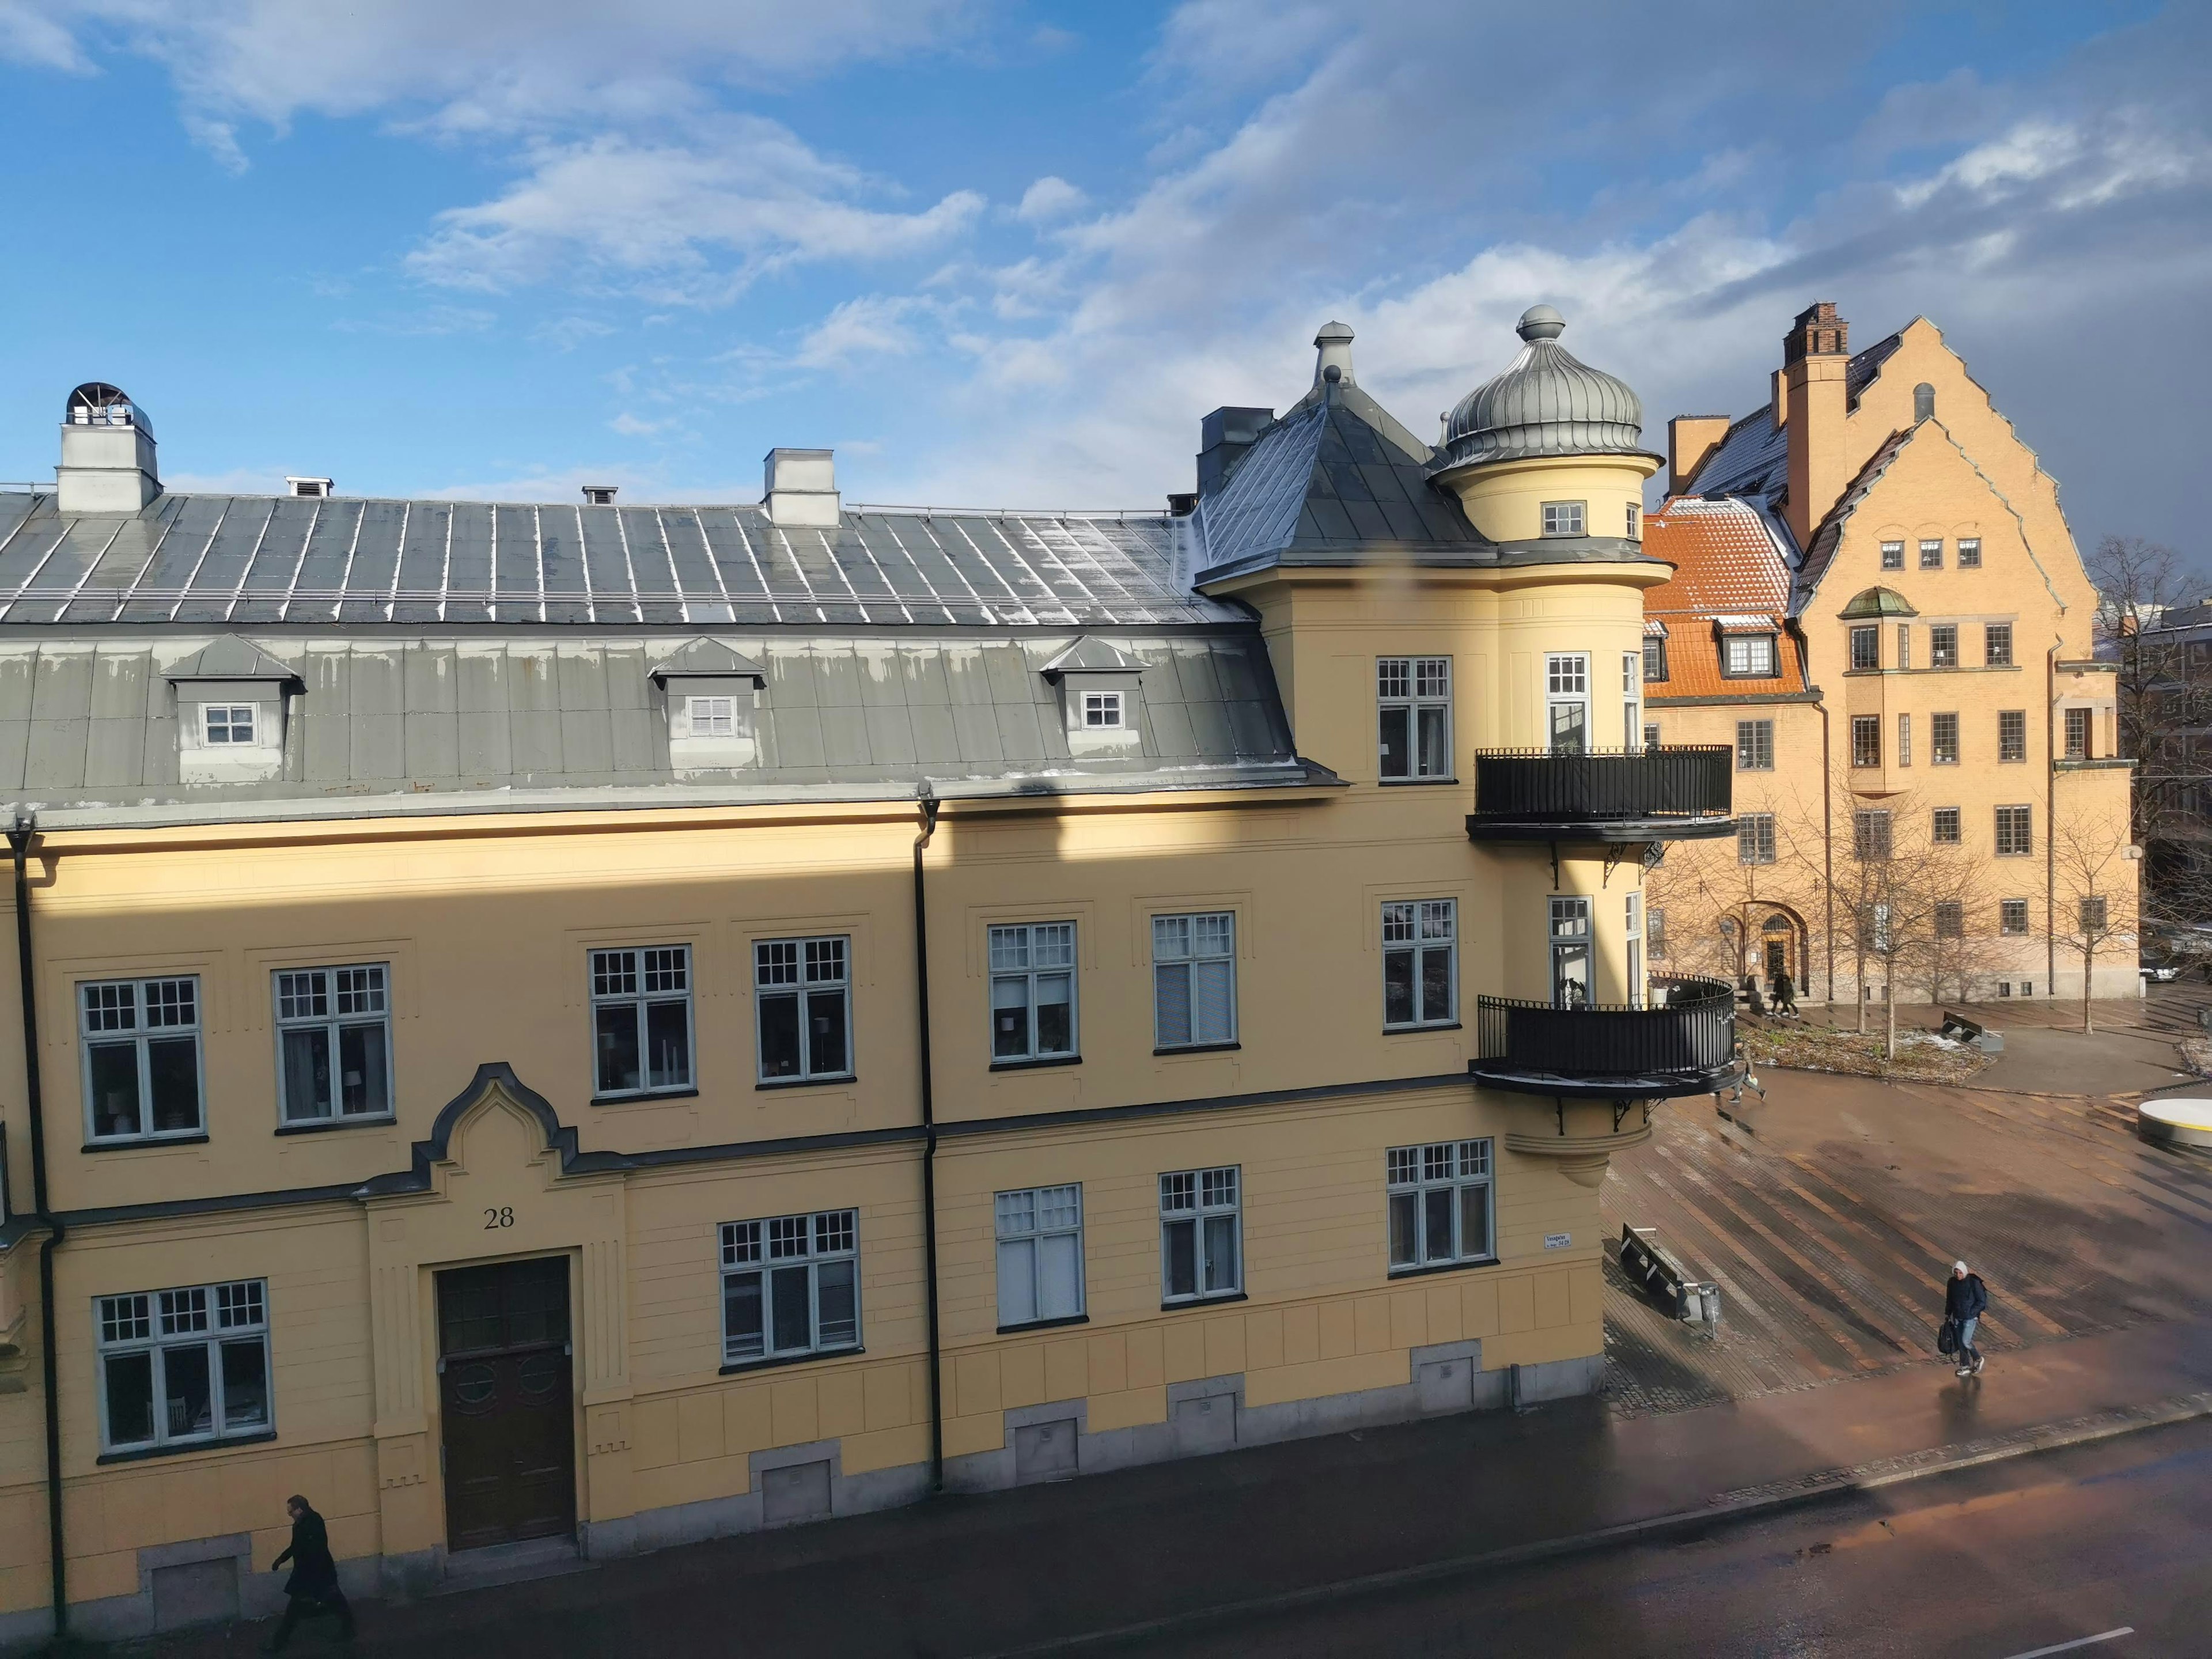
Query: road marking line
{"type": "Point", "coordinates": [2085, 1642]}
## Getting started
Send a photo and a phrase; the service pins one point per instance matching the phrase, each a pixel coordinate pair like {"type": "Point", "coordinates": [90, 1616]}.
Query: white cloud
{"type": "Point", "coordinates": [30, 34]}
{"type": "Point", "coordinates": [874, 325]}
{"type": "Point", "coordinates": [1049, 198]}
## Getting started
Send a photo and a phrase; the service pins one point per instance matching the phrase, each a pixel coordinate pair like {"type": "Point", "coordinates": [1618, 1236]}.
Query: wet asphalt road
{"type": "Point", "coordinates": [1998, 1562]}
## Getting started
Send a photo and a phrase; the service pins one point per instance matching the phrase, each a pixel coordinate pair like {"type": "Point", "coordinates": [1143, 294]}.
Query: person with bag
{"type": "Point", "coordinates": [1966, 1299]}
{"type": "Point", "coordinates": [313, 1585]}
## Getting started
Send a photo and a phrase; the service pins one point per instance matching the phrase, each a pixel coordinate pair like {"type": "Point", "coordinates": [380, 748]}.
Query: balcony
{"type": "Point", "coordinates": [1685, 1045]}
{"type": "Point", "coordinates": [1675, 792]}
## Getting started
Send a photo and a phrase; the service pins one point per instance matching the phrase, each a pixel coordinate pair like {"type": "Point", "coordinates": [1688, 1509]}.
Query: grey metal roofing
{"type": "Point", "coordinates": [1546, 402]}
{"type": "Point", "coordinates": [254, 561]}
{"type": "Point", "coordinates": [497, 719]}
{"type": "Point", "coordinates": [1752, 458]}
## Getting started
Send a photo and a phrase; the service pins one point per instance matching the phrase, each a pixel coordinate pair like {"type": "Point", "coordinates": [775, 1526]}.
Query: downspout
{"type": "Point", "coordinates": [2050, 832]}
{"type": "Point", "coordinates": [927, 798]}
{"type": "Point", "coordinates": [1828, 849]}
{"type": "Point", "coordinates": [19, 842]}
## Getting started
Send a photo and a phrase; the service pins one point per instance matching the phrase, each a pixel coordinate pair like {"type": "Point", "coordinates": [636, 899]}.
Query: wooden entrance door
{"type": "Point", "coordinates": [504, 1380]}
{"type": "Point", "coordinates": [1777, 959]}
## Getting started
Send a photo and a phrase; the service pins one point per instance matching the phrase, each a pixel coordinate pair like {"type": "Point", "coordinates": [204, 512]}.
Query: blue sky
{"type": "Point", "coordinates": [998, 253]}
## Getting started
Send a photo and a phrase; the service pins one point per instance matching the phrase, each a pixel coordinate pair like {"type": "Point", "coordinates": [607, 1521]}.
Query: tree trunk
{"type": "Point", "coordinates": [1889, 996]}
{"type": "Point", "coordinates": [2088, 962]}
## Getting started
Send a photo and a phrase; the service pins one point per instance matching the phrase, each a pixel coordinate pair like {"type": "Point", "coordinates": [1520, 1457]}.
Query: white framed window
{"type": "Point", "coordinates": [1634, 935]}
{"type": "Point", "coordinates": [142, 1058]}
{"type": "Point", "coordinates": [790, 1285]}
{"type": "Point", "coordinates": [1567, 701]}
{"type": "Point", "coordinates": [1040, 1238]}
{"type": "Point", "coordinates": [1194, 981]}
{"type": "Point", "coordinates": [1440, 1204]}
{"type": "Point", "coordinates": [1905, 739]}
{"type": "Point", "coordinates": [181, 1366]}
{"type": "Point", "coordinates": [1631, 701]}
{"type": "Point", "coordinates": [1563, 518]}
{"type": "Point", "coordinates": [1570, 952]}
{"type": "Point", "coordinates": [1420, 963]}
{"type": "Point", "coordinates": [1101, 711]}
{"type": "Point", "coordinates": [226, 723]}
{"type": "Point", "coordinates": [1655, 660]}
{"type": "Point", "coordinates": [1201, 1253]}
{"type": "Point", "coordinates": [642, 1019]}
{"type": "Point", "coordinates": [1412, 698]}
{"type": "Point", "coordinates": [1033, 990]}
{"type": "Point", "coordinates": [1866, 649]}
{"type": "Point", "coordinates": [1750, 656]}
{"type": "Point", "coordinates": [712, 717]}
{"type": "Point", "coordinates": [333, 1043]}
{"type": "Point", "coordinates": [803, 1008]}
{"type": "Point", "coordinates": [1650, 734]}
{"type": "Point", "coordinates": [1635, 520]}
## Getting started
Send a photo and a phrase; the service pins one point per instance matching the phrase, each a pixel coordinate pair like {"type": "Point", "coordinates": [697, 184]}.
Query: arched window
{"type": "Point", "coordinates": [1923, 401]}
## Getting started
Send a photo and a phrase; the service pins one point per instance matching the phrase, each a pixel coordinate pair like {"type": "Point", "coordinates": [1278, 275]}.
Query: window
{"type": "Point", "coordinates": [1033, 990]}
{"type": "Point", "coordinates": [1751, 656]}
{"type": "Point", "coordinates": [1655, 660]}
{"type": "Point", "coordinates": [1947, 827]}
{"type": "Point", "coordinates": [1754, 745]}
{"type": "Point", "coordinates": [1905, 739]}
{"type": "Point", "coordinates": [1970, 553]}
{"type": "Point", "coordinates": [790, 1285]}
{"type": "Point", "coordinates": [1996, 645]}
{"type": "Point", "coordinates": [323, 1013]}
{"type": "Point", "coordinates": [1870, 834]}
{"type": "Point", "coordinates": [1866, 740]}
{"type": "Point", "coordinates": [228, 723]}
{"type": "Point", "coordinates": [2012, 917]}
{"type": "Point", "coordinates": [2077, 734]}
{"type": "Point", "coordinates": [642, 1019]}
{"type": "Point", "coordinates": [1101, 711]}
{"type": "Point", "coordinates": [1440, 1204]}
{"type": "Point", "coordinates": [1635, 520]}
{"type": "Point", "coordinates": [1654, 934]}
{"type": "Point", "coordinates": [1893, 556]}
{"type": "Point", "coordinates": [1194, 981]}
{"type": "Point", "coordinates": [712, 717]}
{"type": "Point", "coordinates": [2092, 913]}
{"type": "Point", "coordinates": [1570, 952]}
{"type": "Point", "coordinates": [1873, 929]}
{"type": "Point", "coordinates": [1040, 1232]}
{"type": "Point", "coordinates": [1950, 919]}
{"type": "Point", "coordinates": [1755, 838]}
{"type": "Point", "coordinates": [803, 1007]}
{"type": "Point", "coordinates": [1931, 555]}
{"type": "Point", "coordinates": [1414, 696]}
{"type": "Point", "coordinates": [1563, 518]}
{"type": "Point", "coordinates": [1567, 689]}
{"type": "Point", "coordinates": [1943, 646]}
{"type": "Point", "coordinates": [1943, 739]}
{"type": "Point", "coordinates": [1631, 701]}
{"type": "Point", "coordinates": [1199, 1255]}
{"type": "Point", "coordinates": [179, 1366]}
{"type": "Point", "coordinates": [1632, 933]}
{"type": "Point", "coordinates": [1650, 734]}
{"type": "Point", "coordinates": [2012, 734]}
{"type": "Point", "coordinates": [1866, 648]}
{"type": "Point", "coordinates": [2015, 830]}
{"type": "Point", "coordinates": [1923, 403]}
{"type": "Point", "coordinates": [1420, 963]}
{"type": "Point", "coordinates": [1905, 645]}
{"type": "Point", "coordinates": [141, 1057]}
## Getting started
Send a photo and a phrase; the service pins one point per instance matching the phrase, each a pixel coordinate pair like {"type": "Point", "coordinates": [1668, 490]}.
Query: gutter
{"type": "Point", "coordinates": [19, 843]}
{"type": "Point", "coordinates": [926, 799]}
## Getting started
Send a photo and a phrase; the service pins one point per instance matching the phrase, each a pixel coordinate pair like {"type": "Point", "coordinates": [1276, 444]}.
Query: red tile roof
{"type": "Point", "coordinates": [1727, 565]}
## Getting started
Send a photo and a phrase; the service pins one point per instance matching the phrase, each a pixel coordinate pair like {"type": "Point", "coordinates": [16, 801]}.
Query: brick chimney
{"type": "Point", "coordinates": [1814, 353]}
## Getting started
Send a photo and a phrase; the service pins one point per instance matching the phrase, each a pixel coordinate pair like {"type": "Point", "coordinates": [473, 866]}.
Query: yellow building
{"type": "Point", "coordinates": [579, 1027]}
{"type": "Point", "coordinates": [1878, 607]}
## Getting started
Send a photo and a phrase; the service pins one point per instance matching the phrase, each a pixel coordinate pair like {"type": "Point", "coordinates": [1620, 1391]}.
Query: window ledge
{"type": "Point", "coordinates": [1045, 1324]}
{"type": "Point", "coordinates": [222, 1443]}
{"type": "Point", "coordinates": [144, 1143]}
{"type": "Point", "coordinates": [1182, 1302]}
{"type": "Point", "coordinates": [316, 1126]}
{"type": "Point", "coordinates": [1416, 1030]}
{"type": "Point", "coordinates": [1442, 1267]}
{"type": "Point", "coordinates": [775, 1361]}
{"type": "Point", "coordinates": [1037, 1064]}
{"type": "Point", "coordinates": [1415, 783]}
{"type": "Point", "coordinates": [1196, 1049]}
{"type": "Point", "coordinates": [809, 1082]}
{"type": "Point", "coordinates": [643, 1097]}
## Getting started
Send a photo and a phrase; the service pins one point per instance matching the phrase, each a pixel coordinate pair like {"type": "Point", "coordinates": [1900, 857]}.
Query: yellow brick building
{"type": "Point", "coordinates": [579, 1028]}
{"type": "Point", "coordinates": [1878, 605]}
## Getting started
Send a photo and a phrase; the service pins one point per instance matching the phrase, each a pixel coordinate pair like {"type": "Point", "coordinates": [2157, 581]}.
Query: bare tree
{"type": "Point", "coordinates": [1713, 893]}
{"type": "Point", "coordinates": [2095, 895]}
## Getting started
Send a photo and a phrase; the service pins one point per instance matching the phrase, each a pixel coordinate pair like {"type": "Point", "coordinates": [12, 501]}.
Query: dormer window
{"type": "Point", "coordinates": [1750, 656]}
{"type": "Point", "coordinates": [712, 717]}
{"type": "Point", "coordinates": [228, 723]}
{"type": "Point", "coordinates": [1100, 688]}
{"type": "Point", "coordinates": [713, 701]}
{"type": "Point", "coordinates": [231, 702]}
{"type": "Point", "coordinates": [1563, 518]}
{"type": "Point", "coordinates": [1101, 711]}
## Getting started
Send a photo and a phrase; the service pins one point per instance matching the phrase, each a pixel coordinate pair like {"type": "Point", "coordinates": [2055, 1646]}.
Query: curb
{"type": "Point", "coordinates": [1775, 1497]}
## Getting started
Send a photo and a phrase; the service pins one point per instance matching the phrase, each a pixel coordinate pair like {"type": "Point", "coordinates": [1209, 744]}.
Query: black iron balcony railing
{"type": "Point", "coordinates": [1683, 1043]}
{"type": "Point", "coordinates": [1662, 793]}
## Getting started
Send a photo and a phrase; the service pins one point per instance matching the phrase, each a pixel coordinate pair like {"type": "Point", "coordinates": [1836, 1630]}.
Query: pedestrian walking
{"type": "Point", "coordinates": [313, 1585]}
{"type": "Point", "coordinates": [1966, 1299]}
{"type": "Point", "coordinates": [1785, 994]}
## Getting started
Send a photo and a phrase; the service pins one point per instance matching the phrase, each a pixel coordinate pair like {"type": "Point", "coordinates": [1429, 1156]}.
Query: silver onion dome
{"type": "Point", "coordinates": [1547, 403]}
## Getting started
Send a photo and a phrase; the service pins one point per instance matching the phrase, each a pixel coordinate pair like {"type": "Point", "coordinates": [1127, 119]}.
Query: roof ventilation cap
{"type": "Point", "coordinates": [317, 487]}
{"type": "Point", "coordinates": [599, 495]}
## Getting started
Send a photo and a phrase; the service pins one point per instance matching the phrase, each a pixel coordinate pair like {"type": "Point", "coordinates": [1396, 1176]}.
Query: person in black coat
{"type": "Point", "coordinates": [1966, 1299]}
{"type": "Point", "coordinates": [313, 1585]}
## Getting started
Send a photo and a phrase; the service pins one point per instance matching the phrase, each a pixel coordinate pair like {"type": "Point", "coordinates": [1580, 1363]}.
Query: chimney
{"type": "Point", "coordinates": [107, 462]}
{"type": "Point", "coordinates": [800, 488]}
{"type": "Point", "coordinates": [313, 487]}
{"type": "Point", "coordinates": [599, 495]}
{"type": "Point", "coordinates": [1815, 354]}
{"type": "Point", "coordinates": [1690, 441]}
{"type": "Point", "coordinates": [1223, 438]}
{"type": "Point", "coordinates": [1333, 343]}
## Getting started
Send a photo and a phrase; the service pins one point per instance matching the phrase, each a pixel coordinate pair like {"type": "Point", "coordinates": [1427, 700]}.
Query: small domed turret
{"type": "Point", "coordinates": [1547, 403]}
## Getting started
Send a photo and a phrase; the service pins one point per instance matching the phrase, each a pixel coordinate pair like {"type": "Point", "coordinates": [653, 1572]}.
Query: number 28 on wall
{"type": "Point", "coordinates": [501, 1217]}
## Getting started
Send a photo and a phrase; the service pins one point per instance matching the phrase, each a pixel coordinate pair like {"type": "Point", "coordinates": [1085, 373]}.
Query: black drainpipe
{"type": "Point", "coordinates": [927, 797]}
{"type": "Point", "coordinates": [19, 842]}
